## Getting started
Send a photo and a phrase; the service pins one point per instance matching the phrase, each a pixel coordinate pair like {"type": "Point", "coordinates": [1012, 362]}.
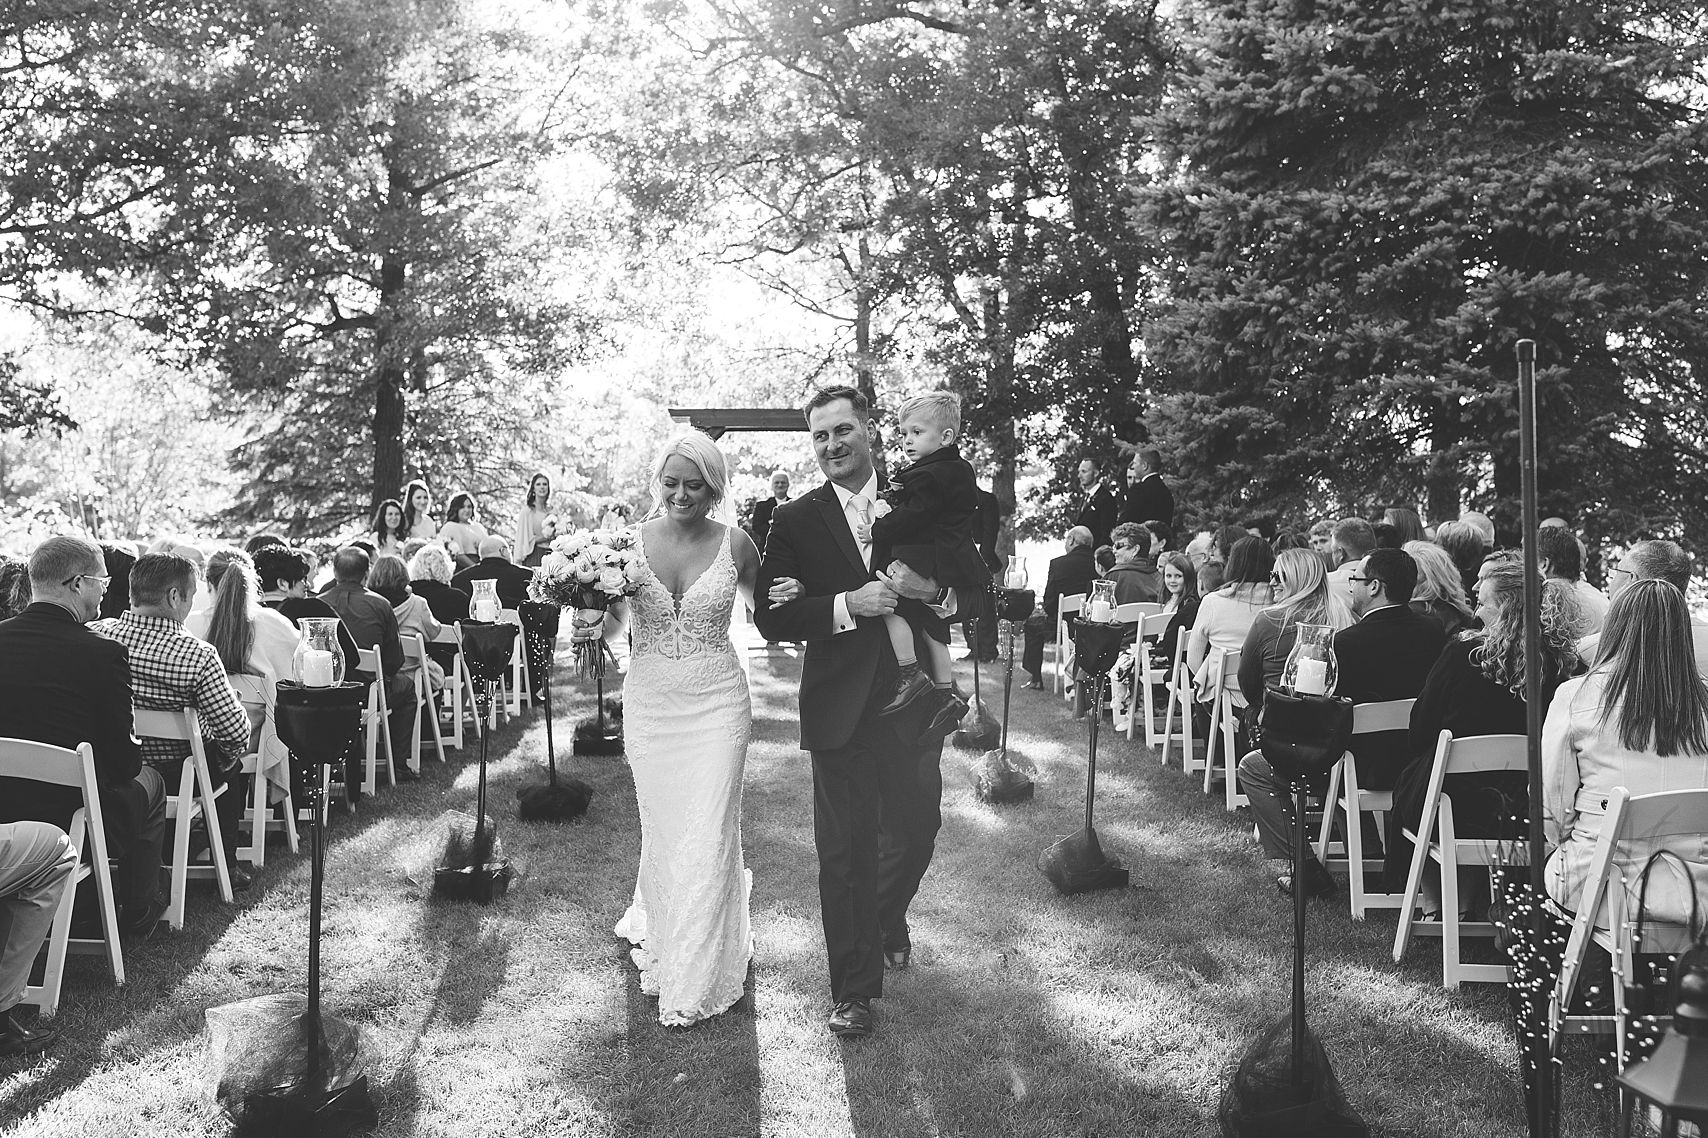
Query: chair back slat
{"type": "Point", "coordinates": [413, 647]}
{"type": "Point", "coordinates": [1484, 753]}
{"type": "Point", "coordinates": [1069, 605]}
{"type": "Point", "coordinates": [252, 690]}
{"type": "Point", "coordinates": [1390, 715]}
{"type": "Point", "coordinates": [1230, 667]}
{"type": "Point", "coordinates": [1155, 624]}
{"type": "Point", "coordinates": [43, 762]}
{"type": "Point", "coordinates": [1134, 611]}
{"type": "Point", "coordinates": [1664, 815]}
{"type": "Point", "coordinates": [368, 660]}
{"type": "Point", "coordinates": [180, 723]}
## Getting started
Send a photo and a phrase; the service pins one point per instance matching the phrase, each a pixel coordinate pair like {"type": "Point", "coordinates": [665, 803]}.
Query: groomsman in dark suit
{"type": "Point", "coordinates": [1148, 497]}
{"type": "Point", "coordinates": [877, 793]}
{"type": "Point", "coordinates": [764, 507]}
{"type": "Point", "coordinates": [1099, 503]}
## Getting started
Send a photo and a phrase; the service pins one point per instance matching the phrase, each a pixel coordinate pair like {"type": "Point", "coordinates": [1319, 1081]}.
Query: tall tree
{"type": "Point", "coordinates": [1367, 205]}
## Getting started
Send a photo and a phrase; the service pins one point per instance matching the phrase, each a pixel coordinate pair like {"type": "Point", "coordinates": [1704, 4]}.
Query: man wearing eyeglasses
{"type": "Point", "coordinates": [1386, 655]}
{"type": "Point", "coordinates": [1648, 560]}
{"type": "Point", "coordinates": [62, 683]}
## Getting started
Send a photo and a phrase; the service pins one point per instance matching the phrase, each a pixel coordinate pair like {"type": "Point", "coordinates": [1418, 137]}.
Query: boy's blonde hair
{"type": "Point", "coordinates": [940, 408]}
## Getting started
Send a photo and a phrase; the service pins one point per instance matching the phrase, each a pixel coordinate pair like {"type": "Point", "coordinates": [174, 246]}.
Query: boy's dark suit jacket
{"type": "Point", "coordinates": [811, 542]}
{"type": "Point", "coordinates": [1387, 655]}
{"type": "Point", "coordinates": [930, 524]}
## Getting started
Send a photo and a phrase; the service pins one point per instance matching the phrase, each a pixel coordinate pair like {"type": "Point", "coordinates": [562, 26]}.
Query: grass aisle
{"type": "Point", "coordinates": [1025, 1014]}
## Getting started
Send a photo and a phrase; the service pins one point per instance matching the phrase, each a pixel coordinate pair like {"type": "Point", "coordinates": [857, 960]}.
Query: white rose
{"type": "Point", "coordinates": [611, 581]}
{"type": "Point", "coordinates": [880, 508]}
{"type": "Point", "coordinates": [585, 570]}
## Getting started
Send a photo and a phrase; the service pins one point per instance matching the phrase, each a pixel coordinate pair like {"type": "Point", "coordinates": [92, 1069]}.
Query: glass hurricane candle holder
{"type": "Point", "coordinates": [319, 659]}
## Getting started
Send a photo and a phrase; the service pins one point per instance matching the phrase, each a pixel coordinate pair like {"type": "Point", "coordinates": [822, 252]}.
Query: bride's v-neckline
{"type": "Point", "coordinates": [678, 598]}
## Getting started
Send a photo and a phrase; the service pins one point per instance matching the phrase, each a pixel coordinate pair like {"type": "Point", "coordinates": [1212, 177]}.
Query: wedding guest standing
{"type": "Point", "coordinates": [388, 532]}
{"type": "Point", "coordinates": [535, 525]}
{"type": "Point", "coordinates": [1148, 497]}
{"type": "Point", "coordinates": [462, 532]}
{"type": "Point", "coordinates": [417, 511]}
{"type": "Point", "coordinates": [63, 684]}
{"type": "Point", "coordinates": [1099, 503]}
{"type": "Point", "coordinates": [763, 507]}
{"type": "Point", "coordinates": [1069, 574]}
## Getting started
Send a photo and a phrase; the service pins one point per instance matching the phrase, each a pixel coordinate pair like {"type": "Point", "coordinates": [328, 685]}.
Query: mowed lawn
{"type": "Point", "coordinates": [1026, 1013]}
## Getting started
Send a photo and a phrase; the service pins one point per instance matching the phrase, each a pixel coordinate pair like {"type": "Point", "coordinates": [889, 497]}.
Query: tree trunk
{"type": "Point", "coordinates": [389, 357]}
{"type": "Point", "coordinates": [1443, 481]}
{"type": "Point", "coordinates": [999, 373]}
{"type": "Point", "coordinates": [863, 378]}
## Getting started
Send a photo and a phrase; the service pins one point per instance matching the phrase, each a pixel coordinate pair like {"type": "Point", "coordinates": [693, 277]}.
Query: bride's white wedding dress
{"type": "Point", "coordinates": [687, 718]}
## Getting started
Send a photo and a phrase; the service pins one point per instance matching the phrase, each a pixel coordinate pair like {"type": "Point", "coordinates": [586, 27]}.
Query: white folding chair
{"type": "Point", "coordinates": [1147, 673]}
{"type": "Point", "coordinates": [195, 799]}
{"type": "Point", "coordinates": [1224, 718]}
{"type": "Point", "coordinates": [1436, 839]}
{"type": "Point", "coordinates": [1607, 908]}
{"type": "Point", "coordinates": [459, 685]}
{"type": "Point", "coordinates": [1179, 700]}
{"type": "Point", "coordinates": [39, 762]}
{"type": "Point", "coordinates": [376, 725]}
{"type": "Point", "coordinates": [1346, 796]}
{"type": "Point", "coordinates": [258, 696]}
{"type": "Point", "coordinates": [521, 690]}
{"type": "Point", "coordinates": [1065, 607]}
{"type": "Point", "coordinates": [415, 652]}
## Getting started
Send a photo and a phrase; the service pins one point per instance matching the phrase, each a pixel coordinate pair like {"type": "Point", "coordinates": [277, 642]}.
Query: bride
{"type": "Point", "coordinates": [688, 716]}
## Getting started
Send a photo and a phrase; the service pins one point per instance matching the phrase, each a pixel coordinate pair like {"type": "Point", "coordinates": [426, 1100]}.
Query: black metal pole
{"type": "Point", "coordinates": [551, 752]}
{"type": "Point", "coordinates": [480, 792]}
{"type": "Point", "coordinates": [1091, 762]}
{"type": "Point", "coordinates": [1299, 936]}
{"type": "Point", "coordinates": [316, 890]}
{"type": "Point", "coordinates": [1544, 1075]}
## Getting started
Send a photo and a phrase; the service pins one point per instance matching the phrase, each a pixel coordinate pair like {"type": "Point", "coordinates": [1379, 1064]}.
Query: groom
{"type": "Point", "coordinates": [876, 795]}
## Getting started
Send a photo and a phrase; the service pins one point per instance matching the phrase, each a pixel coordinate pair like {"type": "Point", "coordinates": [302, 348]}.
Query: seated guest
{"type": "Point", "coordinates": [283, 575]}
{"type": "Point", "coordinates": [14, 587]}
{"type": "Point", "coordinates": [1485, 527]}
{"type": "Point", "coordinates": [1303, 597]}
{"type": "Point", "coordinates": [1477, 688]}
{"type": "Point", "coordinates": [1561, 557]}
{"type": "Point", "coordinates": [1226, 538]}
{"type": "Point", "coordinates": [36, 860]}
{"type": "Point", "coordinates": [1180, 583]}
{"type": "Point", "coordinates": [1353, 539]}
{"type": "Point", "coordinates": [119, 556]}
{"type": "Point", "coordinates": [1069, 574]}
{"type": "Point", "coordinates": [261, 541]}
{"type": "Point", "coordinates": [390, 579]}
{"type": "Point", "coordinates": [1406, 521]}
{"type": "Point", "coordinates": [1387, 536]}
{"type": "Point", "coordinates": [251, 639]}
{"type": "Point", "coordinates": [63, 684]}
{"type": "Point", "coordinates": [1104, 559]}
{"type": "Point", "coordinates": [1386, 655]}
{"type": "Point", "coordinates": [1134, 580]}
{"type": "Point", "coordinates": [1226, 615]}
{"type": "Point", "coordinates": [1654, 560]}
{"type": "Point", "coordinates": [170, 670]}
{"type": "Point", "coordinates": [462, 533]}
{"type": "Point", "coordinates": [1322, 538]}
{"type": "Point", "coordinates": [493, 565]}
{"type": "Point", "coordinates": [373, 624]}
{"type": "Point", "coordinates": [1638, 719]}
{"type": "Point", "coordinates": [1465, 546]}
{"type": "Point", "coordinates": [1439, 593]}
{"type": "Point", "coordinates": [430, 579]}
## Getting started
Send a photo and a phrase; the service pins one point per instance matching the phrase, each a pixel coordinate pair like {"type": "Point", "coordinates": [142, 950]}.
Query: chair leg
{"type": "Point", "coordinates": [216, 840]}
{"type": "Point", "coordinates": [1449, 906]}
{"type": "Point", "coordinates": [1326, 833]}
{"type": "Point", "coordinates": [1354, 852]}
{"type": "Point", "coordinates": [370, 778]}
{"type": "Point", "coordinates": [290, 812]}
{"type": "Point", "coordinates": [255, 853]}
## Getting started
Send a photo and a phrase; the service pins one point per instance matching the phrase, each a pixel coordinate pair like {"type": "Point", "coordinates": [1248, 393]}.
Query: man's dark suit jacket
{"type": "Point", "coordinates": [63, 684]}
{"type": "Point", "coordinates": [1097, 513]}
{"type": "Point", "coordinates": [1387, 655]}
{"type": "Point", "coordinates": [762, 511]}
{"type": "Point", "coordinates": [1149, 500]}
{"type": "Point", "coordinates": [447, 602]}
{"type": "Point", "coordinates": [930, 524]}
{"type": "Point", "coordinates": [987, 528]}
{"type": "Point", "coordinates": [811, 542]}
{"type": "Point", "coordinates": [1070, 573]}
{"type": "Point", "coordinates": [512, 579]}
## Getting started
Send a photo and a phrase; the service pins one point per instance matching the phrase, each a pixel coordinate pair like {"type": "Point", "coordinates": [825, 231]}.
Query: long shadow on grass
{"type": "Point", "coordinates": [702, 1079]}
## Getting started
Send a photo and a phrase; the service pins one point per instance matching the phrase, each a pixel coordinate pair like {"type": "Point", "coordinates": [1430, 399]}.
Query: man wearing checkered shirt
{"type": "Point", "coordinates": [169, 670]}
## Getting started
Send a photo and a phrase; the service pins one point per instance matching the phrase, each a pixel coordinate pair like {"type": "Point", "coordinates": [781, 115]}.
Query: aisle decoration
{"type": "Point", "coordinates": [997, 777]}
{"type": "Point", "coordinates": [557, 800]}
{"type": "Point", "coordinates": [589, 571]}
{"type": "Point", "coordinates": [472, 866]}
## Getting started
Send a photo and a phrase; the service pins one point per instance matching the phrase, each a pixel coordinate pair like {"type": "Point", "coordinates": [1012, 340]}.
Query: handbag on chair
{"type": "Point", "coordinates": [1304, 735]}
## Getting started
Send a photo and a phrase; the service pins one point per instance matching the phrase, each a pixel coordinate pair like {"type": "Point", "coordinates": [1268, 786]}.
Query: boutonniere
{"type": "Point", "coordinates": [880, 508]}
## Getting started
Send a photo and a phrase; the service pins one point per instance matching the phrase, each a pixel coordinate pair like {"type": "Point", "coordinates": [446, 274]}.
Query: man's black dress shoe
{"type": "Point", "coordinates": [240, 878]}
{"type": "Point", "coordinates": [1035, 685]}
{"type": "Point", "coordinates": [898, 958]}
{"type": "Point", "coordinates": [1319, 883]}
{"type": "Point", "coordinates": [16, 1039]}
{"type": "Point", "coordinates": [142, 926]}
{"type": "Point", "coordinates": [851, 1018]}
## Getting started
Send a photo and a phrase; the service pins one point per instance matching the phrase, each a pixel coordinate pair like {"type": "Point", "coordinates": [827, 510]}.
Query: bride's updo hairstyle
{"type": "Point", "coordinates": [699, 449]}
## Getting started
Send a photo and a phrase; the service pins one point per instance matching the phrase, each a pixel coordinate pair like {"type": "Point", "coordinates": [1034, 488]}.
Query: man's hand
{"type": "Point", "coordinates": [907, 583]}
{"type": "Point", "coordinates": [874, 598]}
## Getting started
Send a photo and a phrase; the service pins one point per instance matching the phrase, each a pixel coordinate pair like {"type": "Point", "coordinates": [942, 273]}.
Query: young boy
{"type": "Point", "coordinates": [929, 528]}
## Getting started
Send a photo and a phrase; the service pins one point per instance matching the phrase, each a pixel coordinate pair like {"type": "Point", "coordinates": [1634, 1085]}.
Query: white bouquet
{"type": "Point", "coordinates": [589, 571]}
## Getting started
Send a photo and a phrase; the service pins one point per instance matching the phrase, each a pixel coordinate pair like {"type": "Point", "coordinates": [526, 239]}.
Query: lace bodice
{"type": "Point", "coordinates": [697, 624]}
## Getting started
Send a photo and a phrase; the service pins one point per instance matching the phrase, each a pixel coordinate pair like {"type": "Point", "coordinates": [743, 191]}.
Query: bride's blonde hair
{"type": "Point", "coordinates": [699, 449]}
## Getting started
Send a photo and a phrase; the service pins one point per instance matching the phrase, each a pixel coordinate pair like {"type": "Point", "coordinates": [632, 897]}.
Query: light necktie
{"type": "Point", "coordinates": [863, 513]}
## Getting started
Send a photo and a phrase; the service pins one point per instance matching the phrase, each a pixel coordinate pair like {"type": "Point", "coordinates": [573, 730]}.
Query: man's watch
{"type": "Point", "coordinates": [943, 595]}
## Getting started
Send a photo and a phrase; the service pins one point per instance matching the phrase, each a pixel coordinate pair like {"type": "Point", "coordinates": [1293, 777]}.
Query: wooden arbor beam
{"type": "Point", "coordinates": [716, 420]}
